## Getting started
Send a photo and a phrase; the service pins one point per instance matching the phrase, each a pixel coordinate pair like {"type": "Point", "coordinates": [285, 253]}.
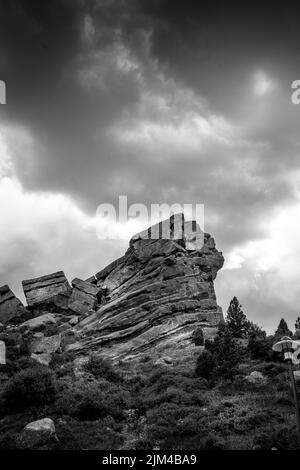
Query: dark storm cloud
{"type": "Point", "coordinates": [43, 49]}
{"type": "Point", "coordinates": [163, 101]}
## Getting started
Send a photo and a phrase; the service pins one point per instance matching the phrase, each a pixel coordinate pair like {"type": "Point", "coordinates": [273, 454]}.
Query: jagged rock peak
{"type": "Point", "coordinates": [156, 295]}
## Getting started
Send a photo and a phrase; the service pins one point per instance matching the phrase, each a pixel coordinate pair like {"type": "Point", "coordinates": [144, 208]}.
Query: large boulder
{"type": "Point", "coordinates": [11, 308]}
{"type": "Point", "coordinates": [38, 323]}
{"type": "Point", "coordinates": [155, 296]}
{"type": "Point", "coordinates": [50, 293]}
{"type": "Point", "coordinates": [45, 344]}
{"type": "Point", "coordinates": [84, 297]}
{"type": "Point", "coordinates": [38, 433]}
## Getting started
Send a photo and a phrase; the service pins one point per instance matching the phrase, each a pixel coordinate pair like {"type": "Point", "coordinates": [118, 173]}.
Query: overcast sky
{"type": "Point", "coordinates": [162, 101]}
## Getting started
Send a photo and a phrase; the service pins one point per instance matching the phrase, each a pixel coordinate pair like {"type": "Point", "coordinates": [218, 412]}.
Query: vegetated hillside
{"type": "Point", "coordinates": [138, 357]}
{"type": "Point", "coordinates": [235, 397]}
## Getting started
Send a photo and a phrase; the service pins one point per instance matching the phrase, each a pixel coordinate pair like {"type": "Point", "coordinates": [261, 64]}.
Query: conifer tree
{"type": "Point", "coordinates": [282, 330]}
{"type": "Point", "coordinates": [236, 320]}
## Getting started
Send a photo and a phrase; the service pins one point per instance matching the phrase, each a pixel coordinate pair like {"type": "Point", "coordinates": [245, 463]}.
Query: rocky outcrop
{"type": "Point", "coordinates": [149, 302]}
{"type": "Point", "coordinates": [11, 308]}
{"type": "Point", "coordinates": [155, 296]}
{"type": "Point", "coordinates": [83, 298]}
{"type": "Point", "coordinates": [39, 323]}
{"type": "Point", "coordinates": [49, 292]}
{"type": "Point", "coordinates": [42, 348]}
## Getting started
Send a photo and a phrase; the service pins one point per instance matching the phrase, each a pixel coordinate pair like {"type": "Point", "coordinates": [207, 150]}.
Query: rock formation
{"type": "Point", "coordinates": [83, 297]}
{"type": "Point", "coordinates": [11, 308]}
{"type": "Point", "coordinates": [149, 302]}
{"type": "Point", "coordinates": [154, 297]}
{"type": "Point", "coordinates": [49, 292]}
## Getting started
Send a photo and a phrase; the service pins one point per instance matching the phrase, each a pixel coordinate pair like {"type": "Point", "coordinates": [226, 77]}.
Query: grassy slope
{"type": "Point", "coordinates": [163, 407]}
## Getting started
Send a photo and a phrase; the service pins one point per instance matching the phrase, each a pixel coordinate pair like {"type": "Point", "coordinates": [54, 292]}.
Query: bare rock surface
{"type": "Point", "coordinates": [38, 433]}
{"type": "Point", "coordinates": [38, 323]}
{"type": "Point", "coordinates": [148, 302]}
{"type": "Point", "coordinates": [84, 297]}
{"type": "Point", "coordinates": [11, 308]}
{"type": "Point", "coordinates": [49, 292]}
{"type": "Point", "coordinates": [155, 295]}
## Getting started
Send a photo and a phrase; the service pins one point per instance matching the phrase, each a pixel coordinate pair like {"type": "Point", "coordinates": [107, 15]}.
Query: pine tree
{"type": "Point", "coordinates": [297, 324]}
{"type": "Point", "coordinates": [282, 330]}
{"type": "Point", "coordinates": [236, 320]}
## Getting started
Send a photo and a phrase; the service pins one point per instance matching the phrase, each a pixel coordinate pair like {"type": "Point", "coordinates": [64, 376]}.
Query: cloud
{"type": "Point", "coordinates": [263, 84]}
{"type": "Point", "coordinates": [157, 101]}
{"type": "Point", "coordinates": [45, 232]}
{"type": "Point", "coordinates": [263, 273]}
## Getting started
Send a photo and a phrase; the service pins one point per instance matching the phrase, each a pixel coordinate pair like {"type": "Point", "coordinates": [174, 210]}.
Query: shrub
{"type": "Point", "coordinates": [259, 348]}
{"type": "Point", "coordinates": [282, 437]}
{"type": "Point", "coordinates": [198, 337]}
{"type": "Point", "coordinates": [91, 400]}
{"type": "Point", "coordinates": [30, 387]}
{"type": "Point", "coordinates": [226, 354]}
{"type": "Point", "coordinates": [271, 369]}
{"type": "Point", "coordinates": [17, 365]}
{"type": "Point", "coordinates": [205, 365]}
{"type": "Point", "coordinates": [101, 368]}
{"type": "Point", "coordinates": [88, 435]}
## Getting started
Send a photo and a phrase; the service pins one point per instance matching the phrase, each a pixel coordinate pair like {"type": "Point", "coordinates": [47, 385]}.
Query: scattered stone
{"type": "Point", "coordinates": [38, 433]}
{"type": "Point", "coordinates": [45, 345]}
{"type": "Point", "coordinates": [39, 323]}
{"type": "Point", "coordinates": [11, 308]}
{"type": "Point", "coordinates": [73, 320]}
{"type": "Point", "coordinates": [43, 358]}
{"type": "Point", "coordinates": [164, 361]}
{"type": "Point", "coordinates": [49, 292]}
{"type": "Point", "coordinates": [256, 377]}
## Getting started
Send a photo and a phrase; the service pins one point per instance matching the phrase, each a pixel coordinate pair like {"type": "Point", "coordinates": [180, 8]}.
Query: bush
{"type": "Point", "coordinates": [226, 354]}
{"type": "Point", "coordinates": [30, 387]}
{"type": "Point", "coordinates": [198, 337]}
{"type": "Point", "coordinates": [101, 368]}
{"type": "Point", "coordinates": [17, 365]}
{"type": "Point", "coordinates": [88, 435]}
{"type": "Point", "coordinates": [271, 369]}
{"type": "Point", "coordinates": [205, 365]}
{"type": "Point", "coordinates": [90, 401]}
{"type": "Point", "coordinates": [282, 437]}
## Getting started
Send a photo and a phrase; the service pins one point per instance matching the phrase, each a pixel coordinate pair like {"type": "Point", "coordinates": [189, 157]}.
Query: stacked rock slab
{"type": "Point", "coordinates": [11, 308]}
{"type": "Point", "coordinates": [83, 298]}
{"type": "Point", "coordinates": [48, 293]}
{"type": "Point", "coordinates": [155, 296]}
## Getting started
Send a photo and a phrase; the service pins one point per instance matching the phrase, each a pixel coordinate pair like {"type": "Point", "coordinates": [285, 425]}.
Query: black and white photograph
{"type": "Point", "coordinates": [149, 229]}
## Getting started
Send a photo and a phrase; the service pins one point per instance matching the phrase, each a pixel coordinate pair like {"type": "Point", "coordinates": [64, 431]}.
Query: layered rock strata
{"type": "Point", "coordinates": [155, 296]}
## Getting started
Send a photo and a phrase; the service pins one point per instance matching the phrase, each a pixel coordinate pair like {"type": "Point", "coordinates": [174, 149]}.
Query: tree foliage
{"type": "Point", "coordinates": [236, 320]}
{"type": "Point", "coordinates": [282, 330]}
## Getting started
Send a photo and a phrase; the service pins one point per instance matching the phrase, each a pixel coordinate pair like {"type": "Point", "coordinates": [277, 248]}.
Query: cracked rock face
{"type": "Point", "coordinates": [155, 296]}
{"type": "Point", "coordinates": [11, 308]}
{"type": "Point", "coordinates": [83, 297]}
{"type": "Point", "coordinates": [50, 293]}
